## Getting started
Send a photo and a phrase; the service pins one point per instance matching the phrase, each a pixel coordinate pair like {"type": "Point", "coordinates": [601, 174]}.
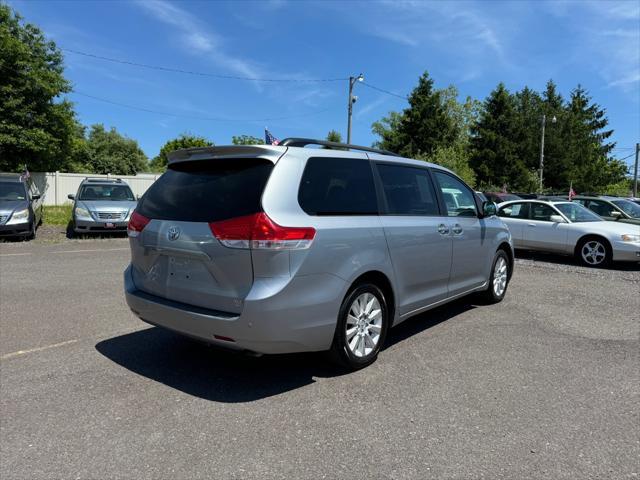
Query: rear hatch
{"type": "Point", "coordinates": [174, 252]}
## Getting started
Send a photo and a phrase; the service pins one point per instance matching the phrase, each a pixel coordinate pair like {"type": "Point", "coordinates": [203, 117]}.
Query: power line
{"type": "Point", "coordinates": [204, 74]}
{"type": "Point", "coordinates": [368, 85]}
{"type": "Point", "coordinates": [628, 156]}
{"type": "Point", "coordinates": [198, 117]}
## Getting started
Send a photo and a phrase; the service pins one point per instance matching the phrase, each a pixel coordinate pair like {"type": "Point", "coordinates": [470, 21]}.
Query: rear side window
{"type": "Point", "coordinates": [408, 190]}
{"type": "Point", "coordinates": [207, 191]}
{"type": "Point", "coordinates": [515, 210]}
{"type": "Point", "coordinates": [338, 186]}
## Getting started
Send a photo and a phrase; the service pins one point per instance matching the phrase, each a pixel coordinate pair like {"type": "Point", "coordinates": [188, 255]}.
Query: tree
{"type": "Point", "coordinates": [495, 143]}
{"type": "Point", "coordinates": [422, 127]}
{"type": "Point", "coordinates": [587, 149]}
{"type": "Point", "coordinates": [456, 159]}
{"type": "Point", "coordinates": [110, 152]}
{"type": "Point", "coordinates": [246, 140]}
{"type": "Point", "coordinates": [36, 128]}
{"type": "Point", "coordinates": [334, 136]}
{"type": "Point", "coordinates": [185, 140]}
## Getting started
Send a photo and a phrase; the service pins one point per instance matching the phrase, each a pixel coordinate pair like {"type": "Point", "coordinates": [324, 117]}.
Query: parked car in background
{"type": "Point", "coordinates": [569, 228]}
{"type": "Point", "coordinates": [612, 208]}
{"type": "Point", "coordinates": [278, 249]}
{"type": "Point", "coordinates": [102, 205]}
{"type": "Point", "coordinates": [634, 200]}
{"type": "Point", "coordinates": [499, 197]}
{"type": "Point", "coordinates": [21, 206]}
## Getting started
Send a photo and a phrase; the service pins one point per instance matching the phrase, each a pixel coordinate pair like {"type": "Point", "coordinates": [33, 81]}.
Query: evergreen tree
{"type": "Point", "coordinates": [334, 136]}
{"type": "Point", "coordinates": [422, 127]}
{"type": "Point", "coordinates": [495, 143]}
{"type": "Point", "coordinates": [246, 140]}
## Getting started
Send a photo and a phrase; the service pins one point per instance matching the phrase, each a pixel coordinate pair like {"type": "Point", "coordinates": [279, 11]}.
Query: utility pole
{"type": "Point", "coordinates": [635, 172]}
{"type": "Point", "coordinates": [352, 100]}
{"type": "Point", "coordinates": [544, 122]}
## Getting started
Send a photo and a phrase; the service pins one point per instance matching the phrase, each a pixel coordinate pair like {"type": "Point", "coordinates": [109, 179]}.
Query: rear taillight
{"type": "Point", "coordinates": [258, 231]}
{"type": "Point", "coordinates": [136, 224]}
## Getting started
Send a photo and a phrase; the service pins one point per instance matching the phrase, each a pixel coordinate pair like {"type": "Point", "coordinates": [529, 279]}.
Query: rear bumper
{"type": "Point", "coordinates": [626, 252]}
{"type": "Point", "coordinates": [280, 315]}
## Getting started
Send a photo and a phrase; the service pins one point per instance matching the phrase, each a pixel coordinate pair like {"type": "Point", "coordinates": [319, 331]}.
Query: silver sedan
{"type": "Point", "coordinates": [570, 229]}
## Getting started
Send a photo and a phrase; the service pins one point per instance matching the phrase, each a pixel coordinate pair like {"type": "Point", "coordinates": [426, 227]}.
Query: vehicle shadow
{"type": "Point", "coordinates": [568, 260]}
{"type": "Point", "coordinates": [224, 376]}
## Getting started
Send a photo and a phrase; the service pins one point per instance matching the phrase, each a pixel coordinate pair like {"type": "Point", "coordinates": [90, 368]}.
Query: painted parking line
{"type": "Point", "coordinates": [14, 254]}
{"type": "Point", "coordinates": [38, 349]}
{"type": "Point", "coordinates": [92, 251]}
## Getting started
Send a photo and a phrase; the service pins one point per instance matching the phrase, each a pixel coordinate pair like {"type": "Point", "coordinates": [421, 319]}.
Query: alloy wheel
{"type": "Point", "coordinates": [364, 325]}
{"type": "Point", "coordinates": [593, 252]}
{"type": "Point", "coordinates": [500, 276]}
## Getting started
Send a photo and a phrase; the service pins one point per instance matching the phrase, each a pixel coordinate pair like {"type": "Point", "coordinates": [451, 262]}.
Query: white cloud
{"type": "Point", "coordinates": [197, 38]}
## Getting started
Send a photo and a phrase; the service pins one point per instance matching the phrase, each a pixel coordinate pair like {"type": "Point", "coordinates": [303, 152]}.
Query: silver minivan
{"type": "Point", "coordinates": [279, 249]}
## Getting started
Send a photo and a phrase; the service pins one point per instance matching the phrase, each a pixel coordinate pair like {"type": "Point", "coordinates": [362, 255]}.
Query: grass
{"type": "Point", "coordinates": [57, 215]}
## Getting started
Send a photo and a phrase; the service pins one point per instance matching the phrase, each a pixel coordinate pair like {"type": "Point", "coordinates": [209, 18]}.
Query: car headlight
{"type": "Point", "coordinates": [631, 238]}
{"type": "Point", "coordinates": [19, 216]}
{"type": "Point", "coordinates": [82, 212]}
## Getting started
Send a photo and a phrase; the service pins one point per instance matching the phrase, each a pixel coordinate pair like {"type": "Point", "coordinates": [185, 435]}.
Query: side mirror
{"type": "Point", "coordinates": [138, 197]}
{"type": "Point", "coordinates": [71, 196]}
{"type": "Point", "coordinates": [489, 209]}
{"type": "Point", "coordinates": [556, 219]}
{"type": "Point", "coordinates": [616, 214]}
{"type": "Point", "coordinates": [35, 197]}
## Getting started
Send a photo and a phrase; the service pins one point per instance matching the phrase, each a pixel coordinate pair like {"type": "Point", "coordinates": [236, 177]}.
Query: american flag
{"type": "Point", "coordinates": [25, 174]}
{"type": "Point", "coordinates": [572, 193]}
{"type": "Point", "coordinates": [269, 139]}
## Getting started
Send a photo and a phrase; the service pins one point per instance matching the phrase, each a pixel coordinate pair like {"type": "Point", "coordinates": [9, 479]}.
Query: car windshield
{"type": "Point", "coordinates": [628, 207]}
{"type": "Point", "coordinates": [12, 191]}
{"type": "Point", "coordinates": [577, 213]}
{"type": "Point", "coordinates": [106, 192]}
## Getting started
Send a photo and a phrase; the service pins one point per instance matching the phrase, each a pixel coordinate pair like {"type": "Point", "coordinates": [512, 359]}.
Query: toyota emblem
{"type": "Point", "coordinates": [173, 233]}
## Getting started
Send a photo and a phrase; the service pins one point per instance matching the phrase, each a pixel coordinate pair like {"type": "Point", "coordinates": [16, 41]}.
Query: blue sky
{"type": "Point", "coordinates": [472, 45]}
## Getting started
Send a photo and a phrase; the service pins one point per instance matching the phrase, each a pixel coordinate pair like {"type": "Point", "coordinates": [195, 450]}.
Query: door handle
{"type": "Point", "coordinates": [457, 229]}
{"type": "Point", "coordinates": [531, 224]}
{"type": "Point", "coordinates": [443, 229]}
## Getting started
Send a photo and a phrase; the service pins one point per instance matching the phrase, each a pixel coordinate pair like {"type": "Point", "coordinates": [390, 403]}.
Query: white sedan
{"type": "Point", "coordinates": [570, 229]}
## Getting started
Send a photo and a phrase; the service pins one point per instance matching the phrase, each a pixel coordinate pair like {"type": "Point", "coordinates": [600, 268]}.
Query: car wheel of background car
{"type": "Point", "coordinates": [594, 252]}
{"type": "Point", "coordinates": [499, 278]}
{"type": "Point", "coordinates": [362, 326]}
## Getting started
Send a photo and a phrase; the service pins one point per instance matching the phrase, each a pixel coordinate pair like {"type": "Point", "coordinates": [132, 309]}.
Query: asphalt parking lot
{"type": "Point", "coordinates": [543, 385]}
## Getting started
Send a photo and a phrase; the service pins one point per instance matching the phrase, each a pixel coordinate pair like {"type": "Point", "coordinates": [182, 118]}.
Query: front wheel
{"type": "Point", "coordinates": [499, 278]}
{"type": "Point", "coordinates": [362, 326]}
{"type": "Point", "coordinates": [594, 252]}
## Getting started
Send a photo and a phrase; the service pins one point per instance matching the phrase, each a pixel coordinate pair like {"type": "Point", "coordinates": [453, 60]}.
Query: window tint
{"type": "Point", "coordinates": [12, 191]}
{"type": "Point", "coordinates": [601, 208]}
{"type": "Point", "coordinates": [515, 210]}
{"type": "Point", "coordinates": [408, 190]}
{"type": "Point", "coordinates": [542, 212]}
{"type": "Point", "coordinates": [457, 197]}
{"type": "Point", "coordinates": [106, 192]}
{"type": "Point", "coordinates": [338, 186]}
{"type": "Point", "coordinates": [207, 191]}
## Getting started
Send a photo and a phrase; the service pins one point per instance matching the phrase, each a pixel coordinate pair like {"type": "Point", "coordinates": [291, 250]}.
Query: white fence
{"type": "Point", "coordinates": [55, 186]}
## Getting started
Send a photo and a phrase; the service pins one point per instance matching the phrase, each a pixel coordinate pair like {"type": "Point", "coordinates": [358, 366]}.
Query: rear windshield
{"type": "Point", "coordinates": [12, 191]}
{"type": "Point", "coordinates": [207, 191]}
{"type": "Point", "coordinates": [106, 192]}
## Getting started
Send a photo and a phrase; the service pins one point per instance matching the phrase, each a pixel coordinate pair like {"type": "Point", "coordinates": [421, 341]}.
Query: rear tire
{"type": "Point", "coordinates": [363, 322]}
{"type": "Point", "coordinates": [499, 279]}
{"type": "Point", "coordinates": [594, 252]}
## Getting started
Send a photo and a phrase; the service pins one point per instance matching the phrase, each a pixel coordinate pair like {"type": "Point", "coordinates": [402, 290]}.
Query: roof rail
{"type": "Point", "coordinates": [303, 142]}
{"type": "Point", "coordinates": [102, 179]}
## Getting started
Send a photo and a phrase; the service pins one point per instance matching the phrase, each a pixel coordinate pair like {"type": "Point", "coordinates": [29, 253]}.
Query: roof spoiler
{"type": "Point", "coordinates": [269, 152]}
